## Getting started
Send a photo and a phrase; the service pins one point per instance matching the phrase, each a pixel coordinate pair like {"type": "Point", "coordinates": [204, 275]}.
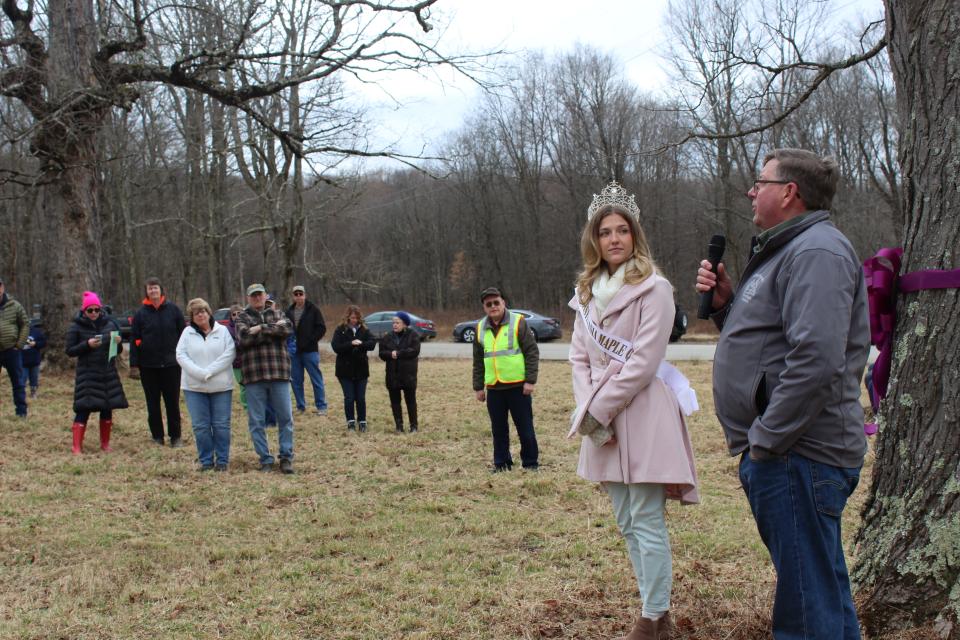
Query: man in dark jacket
{"type": "Point", "coordinates": [309, 328]}
{"type": "Point", "coordinates": [265, 362]}
{"type": "Point", "coordinates": [154, 334]}
{"type": "Point", "coordinates": [505, 365]}
{"type": "Point", "coordinates": [786, 384]}
{"type": "Point", "coordinates": [14, 330]}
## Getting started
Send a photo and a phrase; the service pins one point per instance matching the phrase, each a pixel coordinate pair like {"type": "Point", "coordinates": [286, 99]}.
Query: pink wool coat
{"type": "Point", "coordinates": [652, 440]}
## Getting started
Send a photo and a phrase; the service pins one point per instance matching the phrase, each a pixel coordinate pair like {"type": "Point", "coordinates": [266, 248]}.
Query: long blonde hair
{"type": "Point", "coordinates": [640, 265]}
{"type": "Point", "coordinates": [353, 309]}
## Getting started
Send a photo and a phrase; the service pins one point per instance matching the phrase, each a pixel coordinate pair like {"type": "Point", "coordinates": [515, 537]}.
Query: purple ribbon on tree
{"type": "Point", "coordinates": [881, 274]}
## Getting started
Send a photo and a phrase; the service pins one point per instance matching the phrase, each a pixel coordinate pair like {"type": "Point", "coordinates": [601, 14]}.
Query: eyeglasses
{"type": "Point", "coordinates": [298, 293]}
{"type": "Point", "coordinates": [757, 183]}
{"type": "Point", "coordinates": [491, 304]}
{"type": "Point", "coordinates": [92, 310]}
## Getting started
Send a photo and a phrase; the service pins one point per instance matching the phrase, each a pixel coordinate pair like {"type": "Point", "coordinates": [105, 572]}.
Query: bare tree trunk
{"type": "Point", "coordinates": [908, 566]}
{"type": "Point", "coordinates": [66, 141]}
{"type": "Point", "coordinates": [216, 220]}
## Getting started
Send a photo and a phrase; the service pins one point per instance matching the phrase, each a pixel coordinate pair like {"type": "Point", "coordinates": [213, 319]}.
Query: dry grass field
{"type": "Point", "coordinates": [376, 536]}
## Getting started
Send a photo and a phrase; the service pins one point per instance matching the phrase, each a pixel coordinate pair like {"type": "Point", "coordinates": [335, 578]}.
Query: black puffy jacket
{"type": "Point", "coordinates": [97, 386]}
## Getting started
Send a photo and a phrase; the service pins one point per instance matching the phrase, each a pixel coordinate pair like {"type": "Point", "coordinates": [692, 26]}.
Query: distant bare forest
{"type": "Point", "coordinates": [204, 197]}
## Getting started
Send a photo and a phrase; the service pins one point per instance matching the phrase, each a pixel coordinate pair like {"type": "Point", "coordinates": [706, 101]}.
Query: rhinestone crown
{"type": "Point", "coordinates": [614, 194]}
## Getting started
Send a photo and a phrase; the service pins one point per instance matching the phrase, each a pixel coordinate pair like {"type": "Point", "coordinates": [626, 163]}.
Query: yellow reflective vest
{"type": "Point", "coordinates": [502, 358]}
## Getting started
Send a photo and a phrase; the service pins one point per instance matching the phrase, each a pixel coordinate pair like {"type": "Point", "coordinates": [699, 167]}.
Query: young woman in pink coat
{"type": "Point", "coordinates": [635, 440]}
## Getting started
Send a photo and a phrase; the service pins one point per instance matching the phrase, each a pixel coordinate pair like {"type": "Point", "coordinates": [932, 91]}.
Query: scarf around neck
{"type": "Point", "coordinates": [605, 286]}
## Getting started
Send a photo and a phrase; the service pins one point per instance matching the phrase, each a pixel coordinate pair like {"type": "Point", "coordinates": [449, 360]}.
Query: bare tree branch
{"type": "Point", "coordinates": [824, 71]}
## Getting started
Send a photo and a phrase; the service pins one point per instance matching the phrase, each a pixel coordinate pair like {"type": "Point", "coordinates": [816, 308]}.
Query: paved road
{"type": "Point", "coordinates": [555, 350]}
{"type": "Point", "coordinates": [561, 350]}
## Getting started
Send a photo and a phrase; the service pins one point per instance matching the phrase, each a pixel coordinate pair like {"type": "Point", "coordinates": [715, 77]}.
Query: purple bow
{"type": "Point", "coordinates": [881, 273]}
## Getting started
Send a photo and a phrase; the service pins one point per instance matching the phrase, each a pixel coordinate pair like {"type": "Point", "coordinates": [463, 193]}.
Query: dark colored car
{"type": "Point", "coordinates": [680, 323]}
{"type": "Point", "coordinates": [543, 327]}
{"type": "Point", "coordinates": [124, 320]}
{"type": "Point", "coordinates": [381, 322]}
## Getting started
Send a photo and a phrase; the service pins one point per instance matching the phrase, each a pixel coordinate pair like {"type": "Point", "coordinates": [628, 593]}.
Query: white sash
{"type": "Point", "coordinates": [620, 349]}
{"type": "Point", "coordinates": [614, 346]}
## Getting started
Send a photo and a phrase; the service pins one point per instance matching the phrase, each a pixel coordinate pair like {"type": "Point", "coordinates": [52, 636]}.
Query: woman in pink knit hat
{"type": "Point", "coordinates": [97, 387]}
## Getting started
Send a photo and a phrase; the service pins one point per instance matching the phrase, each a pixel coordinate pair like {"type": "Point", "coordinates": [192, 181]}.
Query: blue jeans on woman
{"type": "Point", "coordinates": [210, 415]}
{"type": "Point", "coordinates": [797, 504]}
{"type": "Point", "coordinates": [354, 393]}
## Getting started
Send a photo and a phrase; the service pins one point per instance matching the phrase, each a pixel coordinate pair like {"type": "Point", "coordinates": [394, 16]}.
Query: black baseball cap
{"type": "Point", "coordinates": [490, 291]}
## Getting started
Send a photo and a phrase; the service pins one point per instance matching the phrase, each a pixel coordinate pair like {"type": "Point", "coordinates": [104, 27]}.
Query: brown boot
{"type": "Point", "coordinates": [105, 427]}
{"type": "Point", "coordinates": [647, 629]}
{"type": "Point", "coordinates": [78, 430]}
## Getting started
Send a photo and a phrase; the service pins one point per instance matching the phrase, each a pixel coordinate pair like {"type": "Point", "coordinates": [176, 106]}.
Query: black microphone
{"type": "Point", "coordinates": [714, 253]}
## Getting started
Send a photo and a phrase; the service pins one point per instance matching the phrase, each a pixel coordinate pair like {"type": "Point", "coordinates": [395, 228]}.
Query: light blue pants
{"type": "Point", "coordinates": [210, 417]}
{"type": "Point", "coordinates": [311, 363]}
{"type": "Point", "coordinates": [640, 516]}
{"type": "Point", "coordinates": [260, 395]}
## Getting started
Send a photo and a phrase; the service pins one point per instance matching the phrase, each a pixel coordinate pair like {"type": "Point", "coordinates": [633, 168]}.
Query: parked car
{"type": "Point", "coordinates": [381, 322]}
{"type": "Point", "coordinates": [543, 327]}
{"type": "Point", "coordinates": [124, 320]}
{"type": "Point", "coordinates": [680, 323]}
{"type": "Point", "coordinates": [222, 315]}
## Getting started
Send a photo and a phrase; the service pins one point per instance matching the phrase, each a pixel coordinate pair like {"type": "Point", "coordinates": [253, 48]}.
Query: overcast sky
{"type": "Point", "coordinates": [630, 30]}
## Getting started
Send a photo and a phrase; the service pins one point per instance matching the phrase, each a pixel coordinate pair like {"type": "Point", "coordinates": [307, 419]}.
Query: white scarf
{"type": "Point", "coordinates": [606, 286]}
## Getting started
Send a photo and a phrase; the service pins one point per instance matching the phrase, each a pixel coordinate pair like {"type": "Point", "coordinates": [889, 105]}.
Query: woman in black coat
{"type": "Point", "coordinates": [351, 342]}
{"type": "Point", "coordinates": [400, 350]}
{"type": "Point", "coordinates": [154, 333]}
{"type": "Point", "coordinates": [97, 386]}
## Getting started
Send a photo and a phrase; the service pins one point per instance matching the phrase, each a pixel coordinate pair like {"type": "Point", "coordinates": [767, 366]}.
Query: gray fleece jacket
{"type": "Point", "coordinates": [793, 344]}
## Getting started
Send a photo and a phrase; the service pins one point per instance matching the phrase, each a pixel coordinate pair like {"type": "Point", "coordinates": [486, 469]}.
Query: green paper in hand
{"type": "Point", "coordinates": [113, 346]}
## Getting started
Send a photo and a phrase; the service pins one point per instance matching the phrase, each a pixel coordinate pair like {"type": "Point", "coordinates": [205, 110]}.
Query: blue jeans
{"type": "Point", "coordinates": [210, 415]}
{"type": "Point", "coordinates": [354, 393]}
{"type": "Point", "coordinates": [310, 362]}
{"type": "Point", "coordinates": [32, 375]}
{"type": "Point", "coordinates": [277, 393]}
{"type": "Point", "coordinates": [520, 407]}
{"type": "Point", "coordinates": [10, 359]}
{"type": "Point", "coordinates": [797, 504]}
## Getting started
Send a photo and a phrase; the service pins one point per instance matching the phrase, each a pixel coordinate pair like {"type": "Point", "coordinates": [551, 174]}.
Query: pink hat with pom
{"type": "Point", "coordinates": [90, 299]}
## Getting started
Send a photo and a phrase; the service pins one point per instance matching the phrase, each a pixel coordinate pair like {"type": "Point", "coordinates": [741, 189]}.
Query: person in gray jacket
{"type": "Point", "coordinates": [793, 344]}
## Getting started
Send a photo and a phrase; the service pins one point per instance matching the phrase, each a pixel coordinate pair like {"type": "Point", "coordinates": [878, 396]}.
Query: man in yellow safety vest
{"type": "Point", "coordinates": [505, 362]}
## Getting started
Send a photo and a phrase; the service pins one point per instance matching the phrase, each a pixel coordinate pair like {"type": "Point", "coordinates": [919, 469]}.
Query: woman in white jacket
{"type": "Point", "coordinates": [205, 353]}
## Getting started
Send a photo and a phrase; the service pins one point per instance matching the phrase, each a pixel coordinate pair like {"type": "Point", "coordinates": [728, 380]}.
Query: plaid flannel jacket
{"type": "Point", "coordinates": [264, 356]}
